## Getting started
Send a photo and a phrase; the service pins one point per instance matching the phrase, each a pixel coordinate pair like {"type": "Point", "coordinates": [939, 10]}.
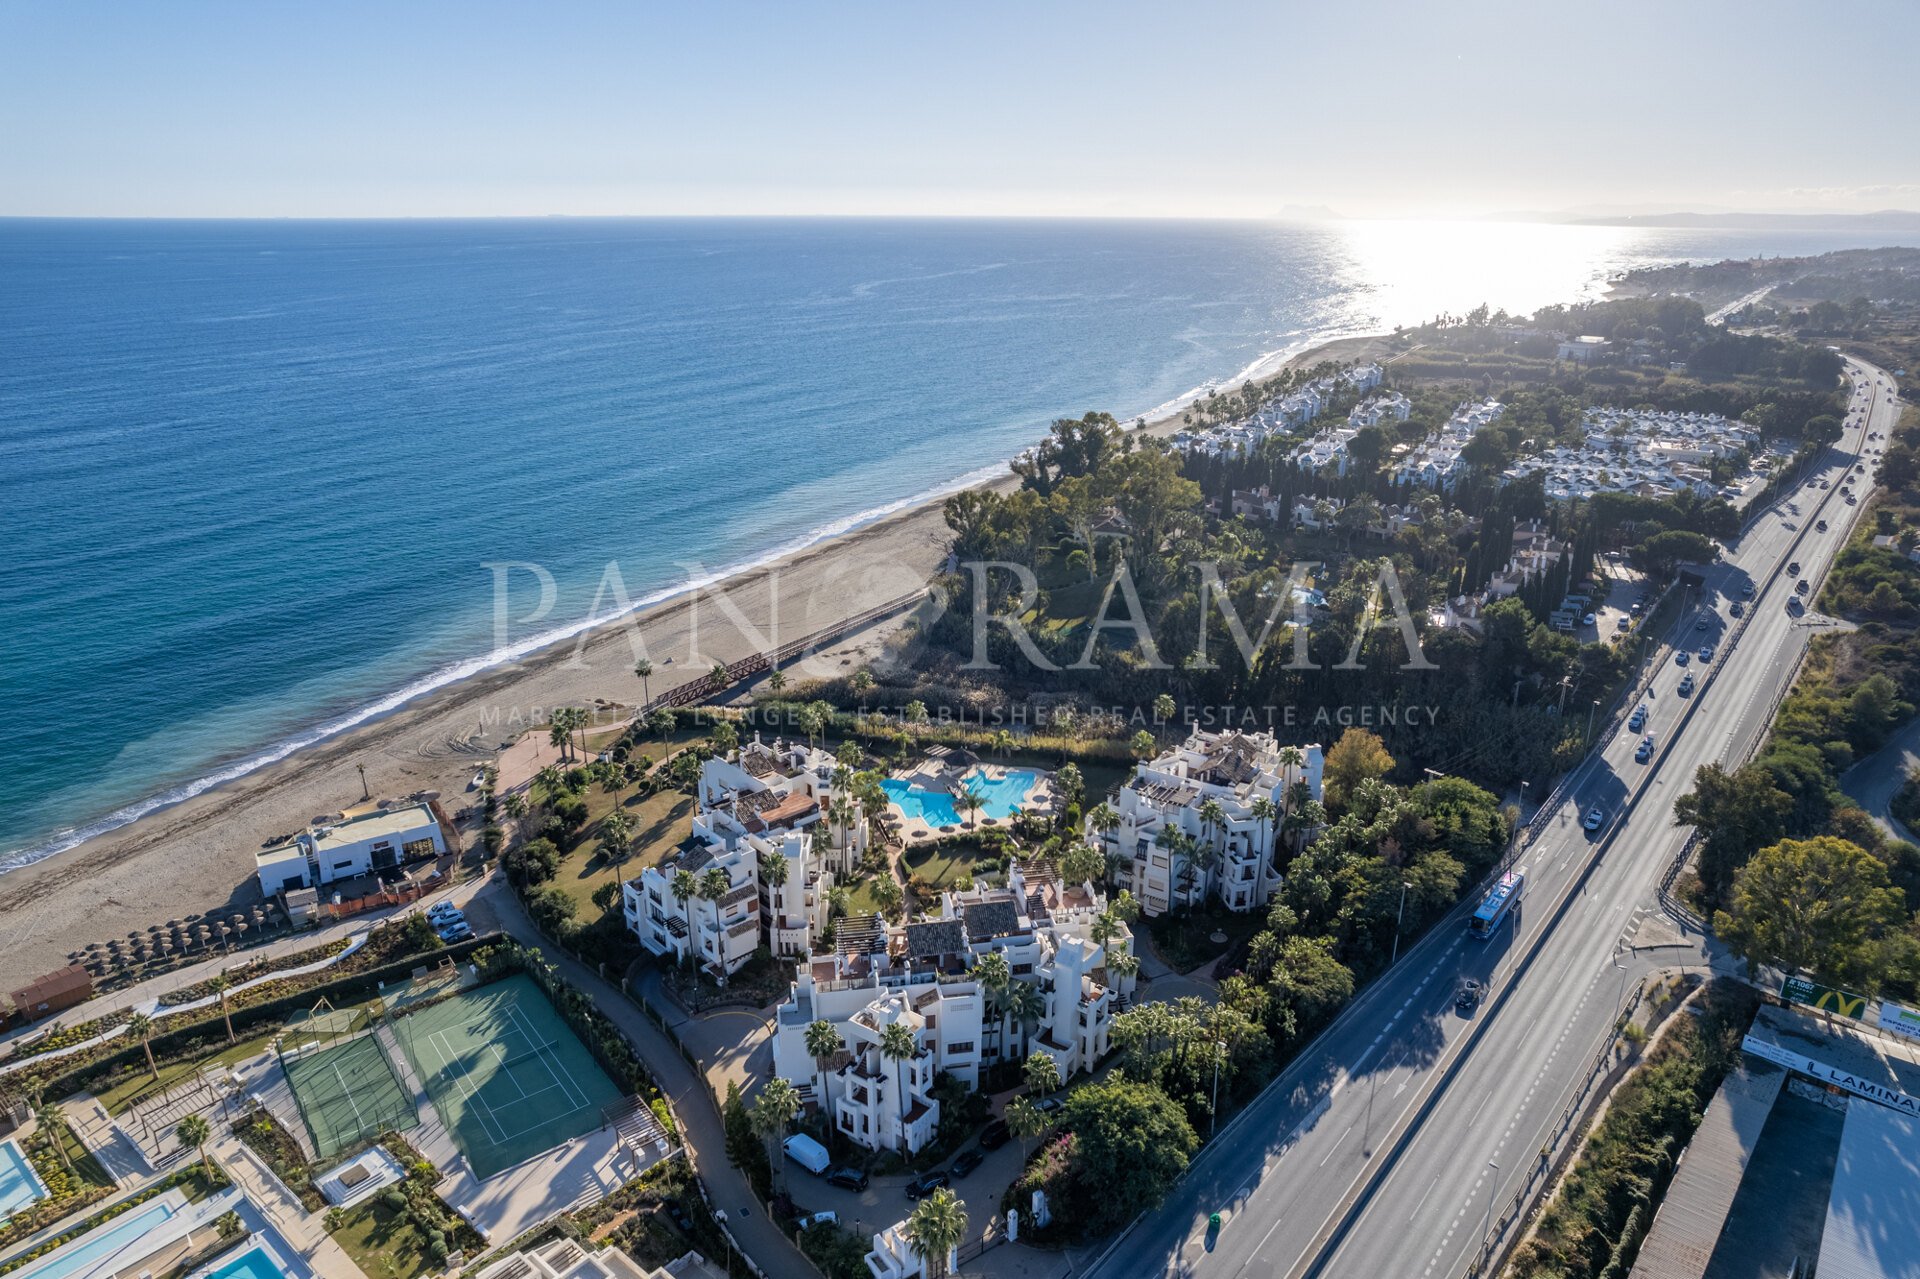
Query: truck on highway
{"type": "Point", "coordinates": [1499, 902]}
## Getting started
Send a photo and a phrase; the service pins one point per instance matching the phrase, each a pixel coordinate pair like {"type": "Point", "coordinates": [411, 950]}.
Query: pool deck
{"type": "Point", "coordinates": [937, 776]}
{"type": "Point", "coordinates": [17, 1162]}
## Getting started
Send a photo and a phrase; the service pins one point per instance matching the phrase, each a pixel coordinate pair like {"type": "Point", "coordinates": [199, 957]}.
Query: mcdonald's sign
{"type": "Point", "coordinates": [1804, 990]}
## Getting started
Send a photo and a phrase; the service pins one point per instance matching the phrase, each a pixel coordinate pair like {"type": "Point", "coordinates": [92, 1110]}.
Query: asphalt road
{"type": "Point", "coordinates": [1389, 1146]}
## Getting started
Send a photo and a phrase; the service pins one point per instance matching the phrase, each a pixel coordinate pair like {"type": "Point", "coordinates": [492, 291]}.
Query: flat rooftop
{"type": "Point", "coordinates": [1873, 1218]}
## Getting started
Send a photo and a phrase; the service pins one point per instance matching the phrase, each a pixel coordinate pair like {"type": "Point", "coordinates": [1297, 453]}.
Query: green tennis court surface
{"type": "Point", "coordinates": [348, 1094]}
{"type": "Point", "coordinates": [508, 1076]}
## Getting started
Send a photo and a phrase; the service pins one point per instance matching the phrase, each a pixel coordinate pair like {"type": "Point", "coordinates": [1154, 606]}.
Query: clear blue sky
{"type": "Point", "coordinates": [811, 106]}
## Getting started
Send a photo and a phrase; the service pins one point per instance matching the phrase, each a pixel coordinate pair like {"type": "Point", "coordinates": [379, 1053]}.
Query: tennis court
{"type": "Point", "coordinates": [347, 1094]}
{"type": "Point", "coordinates": [508, 1076]}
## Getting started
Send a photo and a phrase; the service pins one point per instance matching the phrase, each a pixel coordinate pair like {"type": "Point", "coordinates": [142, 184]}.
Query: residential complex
{"type": "Point", "coordinates": [1291, 412]}
{"type": "Point", "coordinates": [1655, 454]}
{"type": "Point", "coordinates": [1435, 462]}
{"type": "Point", "coordinates": [767, 841]}
{"type": "Point", "coordinates": [923, 976]}
{"type": "Point", "coordinates": [1203, 817]}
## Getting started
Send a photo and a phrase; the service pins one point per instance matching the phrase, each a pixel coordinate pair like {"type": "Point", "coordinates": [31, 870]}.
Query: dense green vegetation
{"type": "Point", "coordinates": [1594, 1226]}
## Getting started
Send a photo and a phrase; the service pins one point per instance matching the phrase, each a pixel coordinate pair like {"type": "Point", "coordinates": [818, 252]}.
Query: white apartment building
{"type": "Point", "coordinates": [1654, 454]}
{"type": "Point", "coordinates": [1249, 776]}
{"type": "Point", "coordinates": [363, 842]}
{"type": "Point", "coordinates": [893, 1257]}
{"type": "Point", "coordinates": [1283, 416]}
{"type": "Point", "coordinates": [571, 1259]}
{"type": "Point", "coordinates": [921, 975]}
{"type": "Point", "coordinates": [755, 802]}
{"type": "Point", "coordinates": [1435, 462]}
{"type": "Point", "coordinates": [1375, 409]}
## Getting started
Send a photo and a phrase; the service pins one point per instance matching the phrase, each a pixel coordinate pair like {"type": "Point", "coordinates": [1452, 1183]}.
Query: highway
{"type": "Point", "coordinates": [1391, 1143]}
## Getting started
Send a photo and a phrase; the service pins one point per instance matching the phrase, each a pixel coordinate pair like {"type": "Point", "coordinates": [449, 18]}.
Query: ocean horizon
{"type": "Point", "coordinates": [254, 473]}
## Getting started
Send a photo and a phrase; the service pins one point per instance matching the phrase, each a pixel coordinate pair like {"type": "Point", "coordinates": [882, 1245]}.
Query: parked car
{"type": "Point", "coordinates": [995, 1135]}
{"type": "Point", "coordinates": [1597, 816]}
{"type": "Point", "coordinates": [1622, 623]}
{"type": "Point", "coordinates": [1048, 1105]}
{"type": "Point", "coordinates": [826, 1218]}
{"type": "Point", "coordinates": [441, 912]}
{"type": "Point", "coordinates": [456, 932]}
{"type": "Point", "coordinates": [921, 1187]}
{"type": "Point", "coordinates": [1587, 620]}
{"type": "Point", "coordinates": [806, 1152]}
{"type": "Point", "coordinates": [847, 1178]}
{"type": "Point", "coordinates": [966, 1161]}
{"type": "Point", "coordinates": [1468, 997]}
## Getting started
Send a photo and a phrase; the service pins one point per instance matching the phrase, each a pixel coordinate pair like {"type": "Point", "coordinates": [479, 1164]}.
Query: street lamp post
{"type": "Point", "coordinates": [1592, 711]}
{"type": "Point", "coordinates": [1213, 1116]}
{"type": "Point", "coordinates": [1398, 919]}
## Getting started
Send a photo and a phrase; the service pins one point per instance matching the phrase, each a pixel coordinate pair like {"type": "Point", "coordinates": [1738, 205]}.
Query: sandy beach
{"type": "Point", "coordinates": [198, 855]}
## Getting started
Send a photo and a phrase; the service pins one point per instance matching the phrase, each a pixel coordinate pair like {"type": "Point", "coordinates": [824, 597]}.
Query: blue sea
{"type": "Point", "coordinates": [252, 473]}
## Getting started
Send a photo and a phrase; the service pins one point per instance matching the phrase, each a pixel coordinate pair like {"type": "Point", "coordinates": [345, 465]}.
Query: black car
{"type": "Point", "coordinates": [967, 1162]}
{"type": "Point", "coordinates": [1469, 996]}
{"type": "Point", "coordinates": [995, 1135]}
{"type": "Point", "coordinates": [847, 1178]}
{"type": "Point", "coordinates": [921, 1187]}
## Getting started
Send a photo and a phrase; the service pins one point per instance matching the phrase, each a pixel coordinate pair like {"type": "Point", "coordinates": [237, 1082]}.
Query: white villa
{"type": "Point", "coordinates": [892, 1255]}
{"type": "Point", "coordinates": [754, 803]}
{"type": "Point", "coordinates": [364, 841]}
{"type": "Point", "coordinates": [1226, 790]}
{"type": "Point", "coordinates": [921, 975]}
{"type": "Point", "coordinates": [1375, 409]}
{"type": "Point", "coordinates": [571, 1259]}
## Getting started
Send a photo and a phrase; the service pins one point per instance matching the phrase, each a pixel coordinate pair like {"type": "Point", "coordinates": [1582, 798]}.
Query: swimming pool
{"type": "Point", "coordinates": [97, 1245]}
{"type": "Point", "coordinates": [255, 1263]}
{"type": "Point", "coordinates": [19, 1183]}
{"type": "Point", "coordinates": [1002, 796]}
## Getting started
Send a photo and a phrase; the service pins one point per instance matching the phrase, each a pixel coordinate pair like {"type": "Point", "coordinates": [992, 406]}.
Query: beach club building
{"type": "Point", "coordinates": [363, 842]}
{"type": "Point", "coordinates": [1227, 790]}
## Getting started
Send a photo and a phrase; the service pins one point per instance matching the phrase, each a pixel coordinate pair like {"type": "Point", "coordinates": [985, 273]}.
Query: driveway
{"type": "Point", "coordinates": [1875, 780]}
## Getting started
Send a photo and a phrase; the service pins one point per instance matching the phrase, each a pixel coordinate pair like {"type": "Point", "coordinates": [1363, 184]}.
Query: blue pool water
{"type": "Point", "coordinates": [1003, 796]}
{"type": "Point", "coordinates": [81, 1255]}
{"type": "Point", "coordinates": [19, 1184]}
{"type": "Point", "coordinates": [255, 1263]}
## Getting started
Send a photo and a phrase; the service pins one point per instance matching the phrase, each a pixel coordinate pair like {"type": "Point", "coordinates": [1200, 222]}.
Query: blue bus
{"type": "Point", "coordinates": [1504, 897]}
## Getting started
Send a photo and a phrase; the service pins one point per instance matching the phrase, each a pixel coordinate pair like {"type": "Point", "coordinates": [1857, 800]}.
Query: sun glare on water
{"type": "Point", "coordinates": [1409, 272]}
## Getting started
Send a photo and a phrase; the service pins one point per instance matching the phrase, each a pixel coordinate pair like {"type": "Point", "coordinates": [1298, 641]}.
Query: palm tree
{"type": "Point", "coordinates": [772, 1111]}
{"type": "Point", "coordinates": [1164, 707]}
{"type": "Point", "coordinates": [995, 978]}
{"type": "Point", "coordinates": [1026, 1006]}
{"type": "Point", "coordinates": [725, 737]}
{"type": "Point", "coordinates": [1264, 811]}
{"type": "Point", "coordinates": [560, 733]}
{"type": "Point", "coordinates": [219, 984]}
{"type": "Point", "coordinates": [772, 866]}
{"type": "Point", "coordinates": [897, 1044]}
{"type": "Point", "coordinates": [684, 886]}
{"type": "Point", "coordinates": [1212, 817]}
{"type": "Point", "coordinates": [862, 680]}
{"type": "Point", "coordinates": [616, 831]}
{"type": "Point", "coordinates": [140, 1026]}
{"type": "Point", "coordinates": [1042, 1074]}
{"type": "Point", "coordinates": [776, 681]}
{"type": "Point", "coordinates": [938, 1224]}
{"type": "Point", "coordinates": [970, 801]}
{"type": "Point", "coordinates": [719, 675]}
{"type": "Point", "coordinates": [53, 1122]}
{"type": "Point", "coordinates": [822, 1041]}
{"type": "Point", "coordinates": [888, 893]}
{"type": "Point", "coordinates": [715, 884]}
{"type": "Point", "coordinates": [1003, 743]}
{"type": "Point", "coordinates": [1025, 1121]}
{"type": "Point", "coordinates": [644, 669]}
{"type": "Point", "coordinates": [1143, 744]}
{"type": "Point", "coordinates": [1121, 962]}
{"type": "Point", "coordinates": [194, 1131]}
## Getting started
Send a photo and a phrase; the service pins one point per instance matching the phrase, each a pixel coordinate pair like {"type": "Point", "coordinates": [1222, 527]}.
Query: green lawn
{"type": "Point", "coordinates": [661, 821]}
{"type": "Point", "coordinates": [942, 867]}
{"type": "Point", "coordinates": [382, 1242]}
{"type": "Point", "coordinates": [135, 1084]}
{"type": "Point", "coordinates": [860, 898]}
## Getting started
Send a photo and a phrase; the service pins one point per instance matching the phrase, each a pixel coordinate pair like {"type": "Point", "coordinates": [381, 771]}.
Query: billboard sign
{"type": "Point", "coordinates": [1898, 1019]}
{"type": "Point", "coordinates": [1804, 990]}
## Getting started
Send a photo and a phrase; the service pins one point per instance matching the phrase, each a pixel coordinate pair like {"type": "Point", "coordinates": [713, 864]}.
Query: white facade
{"type": "Point", "coordinates": [570, 1259]}
{"type": "Point", "coordinates": [361, 843]}
{"type": "Point", "coordinates": [1655, 454]}
{"type": "Point", "coordinates": [1235, 771]}
{"type": "Point", "coordinates": [892, 1255]}
{"type": "Point", "coordinates": [754, 803]}
{"type": "Point", "coordinates": [1375, 409]}
{"type": "Point", "coordinates": [922, 975]}
{"type": "Point", "coordinates": [1435, 462]}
